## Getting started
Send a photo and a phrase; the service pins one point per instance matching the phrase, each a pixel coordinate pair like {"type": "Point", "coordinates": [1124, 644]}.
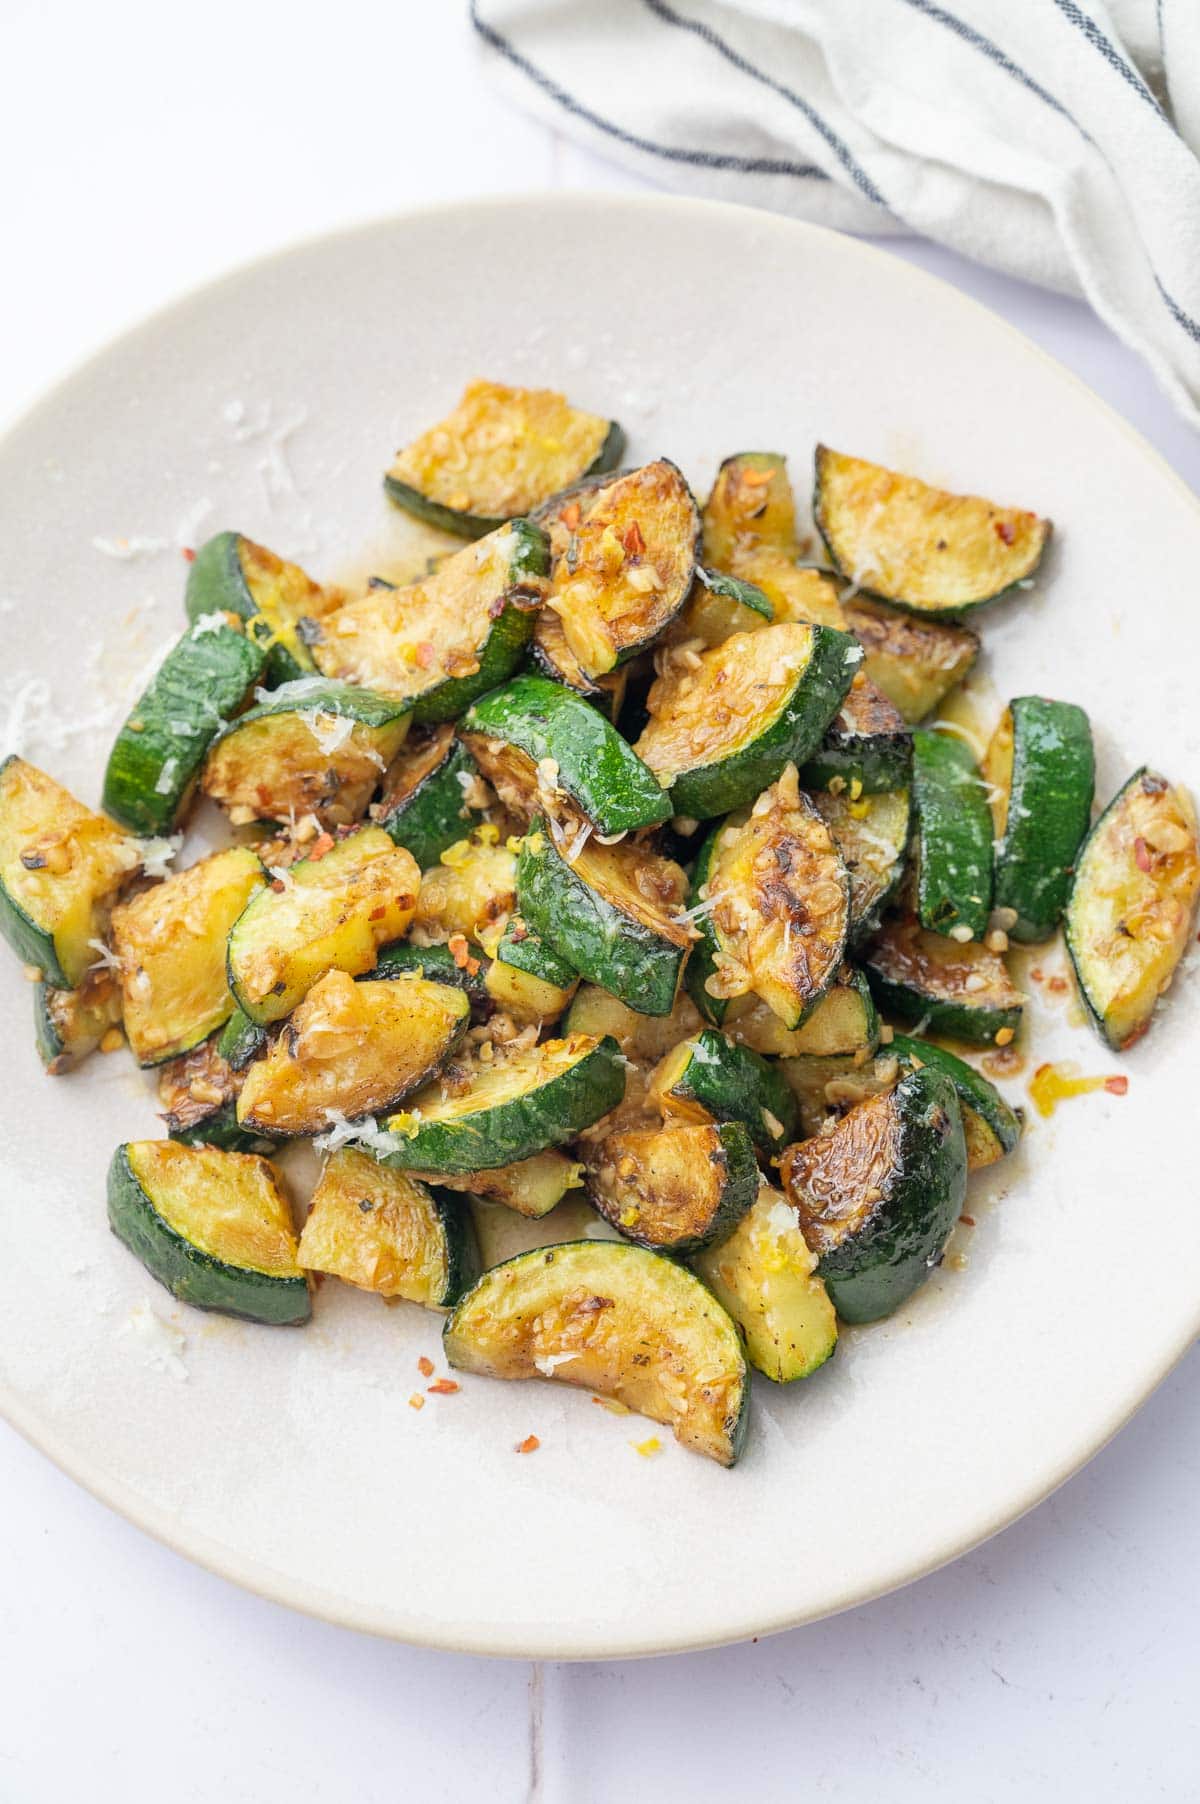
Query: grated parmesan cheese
{"type": "Point", "coordinates": [365, 1132]}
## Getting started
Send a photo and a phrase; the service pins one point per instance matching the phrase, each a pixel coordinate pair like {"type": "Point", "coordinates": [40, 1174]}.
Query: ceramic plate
{"type": "Point", "coordinates": [291, 1460]}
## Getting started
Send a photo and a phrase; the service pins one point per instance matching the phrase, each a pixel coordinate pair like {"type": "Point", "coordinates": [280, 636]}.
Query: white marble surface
{"type": "Point", "coordinates": [147, 151]}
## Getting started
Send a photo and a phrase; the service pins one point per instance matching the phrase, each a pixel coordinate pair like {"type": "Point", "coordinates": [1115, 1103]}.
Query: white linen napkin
{"type": "Point", "coordinates": [1058, 140]}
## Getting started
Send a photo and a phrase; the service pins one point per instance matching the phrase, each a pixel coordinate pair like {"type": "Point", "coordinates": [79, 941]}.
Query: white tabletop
{"type": "Point", "coordinates": [146, 150]}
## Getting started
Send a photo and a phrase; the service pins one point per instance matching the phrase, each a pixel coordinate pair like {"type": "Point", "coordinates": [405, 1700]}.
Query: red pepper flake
{"type": "Point", "coordinates": [1037, 974]}
{"type": "Point", "coordinates": [377, 914]}
{"type": "Point", "coordinates": [1058, 985]}
{"type": "Point", "coordinates": [322, 844]}
{"type": "Point", "coordinates": [633, 541]}
{"type": "Point", "coordinates": [425, 1366]}
{"type": "Point", "coordinates": [1116, 1086]}
{"type": "Point", "coordinates": [442, 1387]}
{"type": "Point", "coordinates": [570, 515]}
{"type": "Point", "coordinates": [472, 967]}
{"type": "Point", "coordinates": [1004, 529]}
{"type": "Point", "coordinates": [459, 950]}
{"type": "Point", "coordinates": [1141, 854]}
{"type": "Point", "coordinates": [426, 653]}
{"type": "Point", "coordinates": [278, 885]}
{"type": "Point", "coordinates": [529, 1445]}
{"type": "Point", "coordinates": [189, 556]}
{"type": "Point", "coordinates": [968, 1221]}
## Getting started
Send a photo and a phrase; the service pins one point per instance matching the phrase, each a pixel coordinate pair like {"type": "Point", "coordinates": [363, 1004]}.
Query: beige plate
{"type": "Point", "coordinates": [290, 1460]}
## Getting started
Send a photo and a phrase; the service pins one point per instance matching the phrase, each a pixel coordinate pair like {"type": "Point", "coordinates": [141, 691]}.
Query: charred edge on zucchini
{"type": "Point", "coordinates": [871, 833]}
{"type": "Point", "coordinates": [961, 990]}
{"type": "Point", "coordinates": [914, 662]}
{"type": "Point", "coordinates": [198, 1097]}
{"type": "Point", "coordinates": [553, 657]}
{"type": "Point", "coordinates": [675, 1188]}
{"type": "Point", "coordinates": [382, 1231]}
{"type": "Point", "coordinates": [867, 743]}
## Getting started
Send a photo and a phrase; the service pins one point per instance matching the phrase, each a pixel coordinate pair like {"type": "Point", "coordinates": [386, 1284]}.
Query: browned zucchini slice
{"type": "Point", "coordinates": [170, 942]}
{"type": "Point", "coordinates": [871, 833]}
{"type": "Point", "coordinates": [197, 1094]}
{"type": "Point", "coordinates": [949, 986]}
{"type": "Point", "coordinates": [675, 1188]}
{"type": "Point", "coordinates": [554, 658]}
{"type": "Point", "coordinates": [623, 559]}
{"type": "Point", "coordinates": [919, 547]}
{"type": "Point", "coordinates": [843, 1024]}
{"type": "Point", "coordinates": [472, 891]}
{"type": "Point", "coordinates": [383, 1231]}
{"type": "Point", "coordinates": [751, 506]}
{"type": "Point", "coordinates": [916, 662]}
{"type": "Point", "coordinates": [531, 1187]}
{"type": "Point", "coordinates": [352, 1049]}
{"type": "Point", "coordinates": [70, 1024]}
{"type": "Point", "coordinates": [643, 1038]}
{"type": "Point", "coordinates": [765, 1276]}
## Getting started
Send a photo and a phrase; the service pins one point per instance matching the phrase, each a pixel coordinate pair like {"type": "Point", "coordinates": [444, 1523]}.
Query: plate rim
{"type": "Point", "coordinates": [310, 1599]}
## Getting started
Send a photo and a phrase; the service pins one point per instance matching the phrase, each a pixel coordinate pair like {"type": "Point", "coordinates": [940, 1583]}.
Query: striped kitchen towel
{"type": "Point", "coordinates": [1052, 139]}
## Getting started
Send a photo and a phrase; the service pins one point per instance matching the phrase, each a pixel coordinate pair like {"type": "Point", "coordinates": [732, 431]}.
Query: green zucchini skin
{"type": "Point", "coordinates": [1049, 812]}
{"type": "Point", "coordinates": [190, 1275]}
{"type": "Point", "coordinates": [878, 1266]}
{"type": "Point", "coordinates": [601, 942]}
{"type": "Point", "coordinates": [222, 1128]}
{"type": "Point", "coordinates": [701, 964]}
{"type": "Point", "coordinates": [519, 1127]}
{"type": "Point", "coordinates": [475, 526]}
{"type": "Point", "coordinates": [735, 589]}
{"type": "Point", "coordinates": [456, 1228]}
{"type": "Point", "coordinates": [318, 694]}
{"type": "Point", "coordinates": [869, 744]}
{"type": "Point", "coordinates": [953, 828]}
{"type": "Point", "coordinates": [433, 815]}
{"type": "Point", "coordinates": [973, 1089]}
{"type": "Point", "coordinates": [597, 769]}
{"type": "Point", "coordinates": [436, 963]}
{"type": "Point", "coordinates": [529, 952]}
{"type": "Point", "coordinates": [735, 1084]}
{"type": "Point", "coordinates": [240, 1040]}
{"type": "Point", "coordinates": [154, 762]}
{"type": "Point", "coordinates": [217, 585]}
{"type": "Point", "coordinates": [506, 643]}
{"type": "Point", "coordinates": [971, 1015]}
{"type": "Point", "coordinates": [736, 780]}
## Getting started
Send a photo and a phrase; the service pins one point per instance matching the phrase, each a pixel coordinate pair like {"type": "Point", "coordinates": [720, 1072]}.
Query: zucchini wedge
{"type": "Point", "coordinates": [352, 1049]}
{"type": "Point", "coordinates": [1129, 913]}
{"type": "Point", "coordinates": [712, 1078]}
{"type": "Point", "coordinates": [439, 643]}
{"type": "Point", "coordinates": [61, 867]}
{"type": "Point", "coordinates": [623, 560]}
{"type": "Point", "coordinates": [212, 1226]}
{"type": "Point", "coordinates": [380, 1230]}
{"type": "Point", "coordinates": [68, 1025]}
{"type": "Point", "coordinates": [531, 1187]}
{"type": "Point", "coordinates": [423, 804]}
{"type": "Point", "coordinates": [878, 1197]}
{"type": "Point", "coordinates": [765, 1276]}
{"type": "Point", "coordinates": [915, 662]}
{"type": "Point", "coordinates": [724, 724]}
{"type": "Point", "coordinates": [502, 452]}
{"type": "Point", "coordinates": [171, 941]}
{"type": "Point", "coordinates": [541, 747]}
{"type": "Point", "coordinates": [719, 606]}
{"type": "Point", "coordinates": [611, 913]}
{"type": "Point", "coordinates": [466, 967]}
{"type": "Point", "coordinates": [508, 1110]}
{"type": "Point", "coordinates": [156, 758]}
{"type": "Point", "coordinates": [844, 1023]}
{"type": "Point", "coordinates": [553, 657]}
{"type": "Point", "coordinates": [867, 742]}
{"type": "Point", "coordinates": [280, 604]}
{"type": "Point", "coordinates": [775, 902]}
{"type": "Point", "coordinates": [918, 547]}
{"type": "Point", "coordinates": [750, 532]}
{"type": "Point", "coordinates": [952, 825]}
{"type": "Point", "coordinates": [643, 1039]}
{"type": "Point", "coordinates": [240, 1040]}
{"type": "Point", "coordinates": [958, 989]}
{"type": "Point", "coordinates": [675, 1188]}
{"type": "Point", "coordinates": [617, 1320]}
{"type": "Point", "coordinates": [198, 1097]}
{"type": "Point", "coordinates": [472, 890]}
{"type": "Point", "coordinates": [1041, 769]}
{"type": "Point", "coordinates": [527, 979]}
{"type": "Point", "coordinates": [313, 747]}
{"type": "Point", "coordinates": [326, 914]}
{"type": "Point", "coordinates": [871, 833]}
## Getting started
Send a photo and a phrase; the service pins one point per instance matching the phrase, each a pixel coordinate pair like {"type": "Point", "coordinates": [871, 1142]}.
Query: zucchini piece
{"type": "Point", "coordinates": [352, 1049]}
{"type": "Point", "coordinates": [867, 742]}
{"type": "Point", "coordinates": [61, 867]}
{"type": "Point", "coordinates": [871, 833]}
{"type": "Point", "coordinates": [724, 723]}
{"type": "Point", "coordinates": [198, 1095]}
{"type": "Point", "coordinates": [644, 1039]}
{"type": "Point", "coordinates": [719, 606]}
{"type": "Point", "coordinates": [380, 1230]}
{"type": "Point", "coordinates": [170, 941]}
{"type": "Point", "coordinates": [69, 1024]}
{"type": "Point", "coordinates": [675, 1188]}
{"type": "Point", "coordinates": [553, 657]}
{"type": "Point", "coordinates": [918, 547]}
{"type": "Point", "coordinates": [540, 745]}
{"type": "Point", "coordinates": [952, 825]}
{"type": "Point", "coordinates": [312, 747]}
{"type": "Point", "coordinates": [451, 637]}
{"type": "Point", "coordinates": [1130, 909]}
{"type": "Point", "coordinates": [712, 1078]}
{"type": "Point", "coordinates": [527, 979]}
{"type": "Point", "coordinates": [751, 506]}
{"type": "Point", "coordinates": [502, 452]}
{"type": "Point", "coordinates": [611, 913]}
{"type": "Point", "coordinates": [617, 1320]}
{"type": "Point", "coordinates": [423, 803]}
{"type": "Point", "coordinates": [914, 662]}
{"type": "Point", "coordinates": [797, 592]}
{"type": "Point", "coordinates": [156, 758]}
{"type": "Point", "coordinates": [765, 1276]}
{"type": "Point", "coordinates": [623, 559]}
{"type": "Point", "coordinates": [280, 604]}
{"type": "Point", "coordinates": [326, 914]}
{"type": "Point", "coordinates": [878, 1197]}
{"type": "Point", "coordinates": [240, 1040]}
{"type": "Point", "coordinates": [776, 901]}
{"type": "Point", "coordinates": [212, 1226]}
{"type": "Point", "coordinates": [843, 1024]}
{"type": "Point", "coordinates": [438, 965]}
{"type": "Point", "coordinates": [531, 1187]}
{"type": "Point", "coordinates": [992, 1128]}
{"type": "Point", "coordinates": [1041, 768]}
{"type": "Point", "coordinates": [958, 989]}
{"type": "Point", "coordinates": [518, 1105]}
{"type": "Point", "coordinates": [472, 890]}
